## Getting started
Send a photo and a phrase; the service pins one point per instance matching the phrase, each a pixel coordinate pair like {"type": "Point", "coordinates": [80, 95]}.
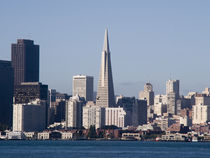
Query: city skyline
{"type": "Point", "coordinates": [177, 48]}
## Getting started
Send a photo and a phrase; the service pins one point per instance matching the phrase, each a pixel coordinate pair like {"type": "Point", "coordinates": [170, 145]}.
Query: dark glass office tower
{"type": "Point", "coordinates": [25, 61]}
{"type": "Point", "coordinates": [29, 91]}
{"type": "Point", "coordinates": [6, 94]}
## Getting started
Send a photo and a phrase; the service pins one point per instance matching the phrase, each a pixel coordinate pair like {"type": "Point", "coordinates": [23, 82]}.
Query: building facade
{"type": "Point", "coordinates": [172, 92]}
{"type": "Point", "coordinates": [83, 86]}
{"type": "Point", "coordinates": [25, 61]}
{"type": "Point", "coordinates": [6, 93]}
{"type": "Point", "coordinates": [29, 117]}
{"type": "Point", "coordinates": [93, 115]}
{"type": "Point", "coordinates": [201, 114]}
{"type": "Point", "coordinates": [115, 116]}
{"type": "Point", "coordinates": [147, 94]}
{"type": "Point", "coordinates": [28, 91]}
{"type": "Point", "coordinates": [74, 112]}
{"type": "Point", "coordinates": [139, 113]}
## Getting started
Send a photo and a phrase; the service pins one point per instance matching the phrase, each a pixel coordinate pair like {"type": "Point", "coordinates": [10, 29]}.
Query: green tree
{"type": "Point", "coordinates": [92, 132]}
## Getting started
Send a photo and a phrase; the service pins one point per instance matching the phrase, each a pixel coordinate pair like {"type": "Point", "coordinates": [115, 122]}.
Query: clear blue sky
{"type": "Point", "coordinates": [150, 40]}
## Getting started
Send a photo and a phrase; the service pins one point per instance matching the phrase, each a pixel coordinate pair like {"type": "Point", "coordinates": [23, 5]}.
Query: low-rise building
{"type": "Point", "coordinates": [66, 135]}
{"type": "Point", "coordinates": [174, 137]}
{"type": "Point", "coordinates": [131, 136]}
{"type": "Point", "coordinates": [45, 135]}
{"type": "Point", "coordinates": [29, 135]}
{"type": "Point", "coordinates": [16, 135]}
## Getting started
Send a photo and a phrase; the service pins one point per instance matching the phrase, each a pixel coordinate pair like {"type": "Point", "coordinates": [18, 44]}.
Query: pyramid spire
{"type": "Point", "coordinates": [106, 41]}
{"type": "Point", "coordinates": [105, 94]}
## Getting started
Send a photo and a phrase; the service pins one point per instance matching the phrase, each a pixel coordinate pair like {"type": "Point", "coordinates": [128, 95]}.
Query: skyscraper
{"type": "Point", "coordinates": [147, 94]}
{"type": "Point", "coordinates": [29, 117]}
{"type": "Point", "coordinates": [172, 86]}
{"type": "Point", "coordinates": [6, 93]}
{"type": "Point", "coordinates": [74, 112]}
{"type": "Point", "coordinates": [25, 61]}
{"type": "Point", "coordinates": [172, 92]}
{"type": "Point", "coordinates": [83, 86]}
{"type": "Point", "coordinates": [105, 95]}
{"type": "Point", "coordinates": [29, 91]}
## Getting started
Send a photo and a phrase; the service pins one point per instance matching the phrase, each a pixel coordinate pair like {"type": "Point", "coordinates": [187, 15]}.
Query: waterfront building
{"type": "Point", "coordinates": [6, 93]}
{"type": "Point", "coordinates": [105, 95]}
{"type": "Point", "coordinates": [83, 86]}
{"type": "Point", "coordinates": [74, 112]}
{"type": "Point", "coordinates": [201, 114]}
{"type": "Point", "coordinates": [93, 115]}
{"type": "Point", "coordinates": [25, 61]}
{"type": "Point", "coordinates": [115, 116]}
{"type": "Point", "coordinates": [45, 135]}
{"type": "Point", "coordinates": [66, 135]}
{"type": "Point", "coordinates": [30, 116]}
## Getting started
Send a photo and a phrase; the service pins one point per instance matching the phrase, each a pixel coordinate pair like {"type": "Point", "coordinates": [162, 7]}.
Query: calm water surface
{"type": "Point", "coordinates": [58, 149]}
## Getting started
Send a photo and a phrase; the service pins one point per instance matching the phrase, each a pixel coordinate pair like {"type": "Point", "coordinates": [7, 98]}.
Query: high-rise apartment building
{"type": "Point", "coordinates": [29, 117]}
{"type": "Point", "coordinates": [25, 61]}
{"type": "Point", "coordinates": [105, 95]}
{"type": "Point", "coordinates": [201, 114]}
{"type": "Point", "coordinates": [115, 116]}
{"type": "Point", "coordinates": [6, 93]}
{"type": "Point", "coordinates": [93, 115]}
{"type": "Point", "coordinates": [83, 86]}
{"type": "Point", "coordinates": [74, 112]}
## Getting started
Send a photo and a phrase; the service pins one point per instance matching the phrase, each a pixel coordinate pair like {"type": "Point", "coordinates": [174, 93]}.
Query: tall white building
{"type": "Point", "coordinates": [201, 114]}
{"type": "Point", "coordinates": [115, 116]}
{"type": "Point", "coordinates": [29, 117]}
{"type": "Point", "coordinates": [83, 86]}
{"type": "Point", "coordinates": [74, 112]}
{"type": "Point", "coordinates": [93, 115]}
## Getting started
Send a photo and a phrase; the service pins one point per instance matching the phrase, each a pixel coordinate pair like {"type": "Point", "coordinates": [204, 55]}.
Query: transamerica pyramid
{"type": "Point", "coordinates": [105, 95]}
